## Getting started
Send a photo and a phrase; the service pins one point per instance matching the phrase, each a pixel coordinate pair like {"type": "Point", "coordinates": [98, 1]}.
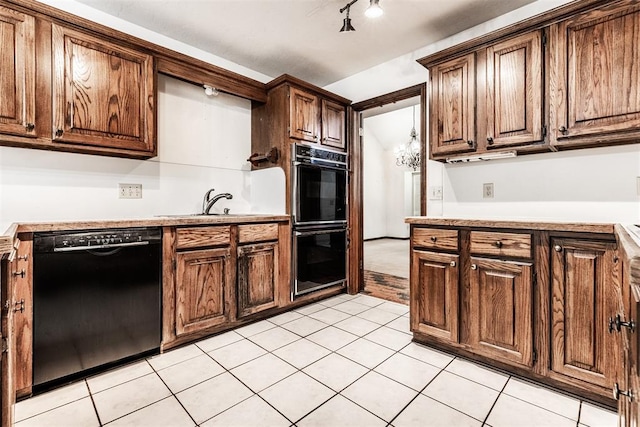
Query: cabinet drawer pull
{"type": "Point", "coordinates": [498, 244]}
{"type": "Point", "coordinates": [474, 267]}
{"type": "Point", "coordinates": [434, 239]}
{"type": "Point", "coordinates": [20, 273]}
{"type": "Point", "coordinates": [452, 263]}
{"type": "Point", "coordinates": [617, 393]}
{"type": "Point", "coordinates": [563, 130]}
{"type": "Point", "coordinates": [490, 140]}
{"type": "Point", "coordinates": [557, 248]}
{"type": "Point", "coordinates": [23, 257]}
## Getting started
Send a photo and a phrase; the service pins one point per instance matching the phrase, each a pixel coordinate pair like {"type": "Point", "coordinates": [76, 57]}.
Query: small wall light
{"type": "Point", "coordinates": [210, 91]}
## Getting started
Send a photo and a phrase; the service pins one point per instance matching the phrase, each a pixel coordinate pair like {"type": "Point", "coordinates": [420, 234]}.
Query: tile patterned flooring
{"type": "Point", "coordinates": [346, 361]}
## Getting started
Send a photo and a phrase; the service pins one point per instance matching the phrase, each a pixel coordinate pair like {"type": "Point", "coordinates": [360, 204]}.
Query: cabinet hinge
{"type": "Point", "coordinates": [535, 357]}
{"type": "Point", "coordinates": [5, 345]}
{"type": "Point", "coordinates": [544, 39]}
{"type": "Point", "coordinates": [360, 132]}
{"type": "Point", "coordinates": [544, 131]}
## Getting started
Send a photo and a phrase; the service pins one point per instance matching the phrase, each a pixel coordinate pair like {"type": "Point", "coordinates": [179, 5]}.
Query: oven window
{"type": "Point", "coordinates": [321, 194]}
{"type": "Point", "coordinates": [321, 259]}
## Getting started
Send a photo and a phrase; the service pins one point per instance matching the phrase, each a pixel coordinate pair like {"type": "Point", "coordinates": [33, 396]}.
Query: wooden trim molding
{"type": "Point", "coordinates": [286, 78]}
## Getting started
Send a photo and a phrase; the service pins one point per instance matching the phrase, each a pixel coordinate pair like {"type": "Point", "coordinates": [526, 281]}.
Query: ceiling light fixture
{"type": "Point", "coordinates": [210, 90]}
{"type": "Point", "coordinates": [373, 11]}
{"type": "Point", "coordinates": [408, 153]}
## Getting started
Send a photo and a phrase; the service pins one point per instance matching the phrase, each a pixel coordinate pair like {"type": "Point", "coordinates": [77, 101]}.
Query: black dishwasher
{"type": "Point", "coordinates": [96, 300]}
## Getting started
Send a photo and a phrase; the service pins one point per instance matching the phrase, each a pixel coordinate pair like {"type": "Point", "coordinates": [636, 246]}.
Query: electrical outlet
{"type": "Point", "coordinates": [130, 191]}
{"type": "Point", "coordinates": [435, 193]}
{"type": "Point", "coordinates": [487, 190]}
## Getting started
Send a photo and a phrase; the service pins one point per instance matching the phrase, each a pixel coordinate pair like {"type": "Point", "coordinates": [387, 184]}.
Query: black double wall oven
{"type": "Point", "coordinates": [319, 219]}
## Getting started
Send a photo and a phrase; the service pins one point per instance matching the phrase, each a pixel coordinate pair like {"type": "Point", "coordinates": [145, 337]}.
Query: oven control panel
{"type": "Point", "coordinates": [306, 154]}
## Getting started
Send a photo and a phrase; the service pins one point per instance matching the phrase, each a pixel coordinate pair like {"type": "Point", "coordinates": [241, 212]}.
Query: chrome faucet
{"type": "Point", "coordinates": [208, 201]}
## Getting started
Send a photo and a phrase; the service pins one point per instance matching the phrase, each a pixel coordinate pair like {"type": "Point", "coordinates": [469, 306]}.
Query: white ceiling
{"type": "Point", "coordinates": [301, 37]}
{"type": "Point", "coordinates": [393, 127]}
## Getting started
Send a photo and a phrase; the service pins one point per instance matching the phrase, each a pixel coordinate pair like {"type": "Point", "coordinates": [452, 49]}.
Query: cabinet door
{"type": "Point", "coordinates": [103, 93]}
{"type": "Point", "coordinates": [434, 294]}
{"type": "Point", "coordinates": [501, 310]}
{"type": "Point", "coordinates": [452, 109]}
{"type": "Point", "coordinates": [202, 280]}
{"type": "Point", "coordinates": [7, 389]}
{"type": "Point", "coordinates": [333, 125]}
{"type": "Point", "coordinates": [585, 279]}
{"type": "Point", "coordinates": [514, 91]}
{"type": "Point", "coordinates": [17, 73]}
{"type": "Point", "coordinates": [595, 80]}
{"type": "Point", "coordinates": [22, 275]}
{"type": "Point", "coordinates": [257, 278]}
{"type": "Point", "coordinates": [304, 119]}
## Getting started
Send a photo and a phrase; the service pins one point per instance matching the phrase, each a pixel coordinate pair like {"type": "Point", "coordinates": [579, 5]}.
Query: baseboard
{"type": "Point", "coordinates": [380, 238]}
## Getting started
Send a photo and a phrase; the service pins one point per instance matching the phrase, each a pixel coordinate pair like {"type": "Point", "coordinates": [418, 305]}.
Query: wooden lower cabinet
{"type": "Point", "coordinates": [257, 278]}
{"type": "Point", "coordinates": [584, 294]}
{"type": "Point", "coordinates": [203, 280]}
{"type": "Point", "coordinates": [434, 294]}
{"type": "Point", "coordinates": [501, 310]}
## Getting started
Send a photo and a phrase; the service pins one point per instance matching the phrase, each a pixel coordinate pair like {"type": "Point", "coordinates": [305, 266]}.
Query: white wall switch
{"type": "Point", "coordinates": [435, 193]}
{"type": "Point", "coordinates": [487, 190]}
{"type": "Point", "coordinates": [130, 191]}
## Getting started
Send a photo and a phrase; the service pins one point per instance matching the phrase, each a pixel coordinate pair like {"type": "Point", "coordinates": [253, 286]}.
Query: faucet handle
{"type": "Point", "coordinates": [226, 211]}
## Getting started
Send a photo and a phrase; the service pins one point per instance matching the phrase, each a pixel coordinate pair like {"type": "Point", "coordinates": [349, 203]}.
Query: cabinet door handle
{"type": "Point", "coordinates": [452, 263]}
{"type": "Point", "coordinates": [498, 244]}
{"type": "Point", "coordinates": [616, 323]}
{"type": "Point", "coordinates": [563, 130]}
{"type": "Point", "coordinates": [59, 133]}
{"type": "Point", "coordinates": [617, 393]}
{"type": "Point", "coordinates": [474, 267]}
{"type": "Point", "coordinates": [23, 257]}
{"type": "Point", "coordinates": [470, 143]}
{"type": "Point", "coordinates": [557, 248]}
{"type": "Point", "coordinates": [18, 306]}
{"type": "Point", "coordinates": [490, 140]}
{"type": "Point", "coordinates": [29, 127]}
{"type": "Point", "coordinates": [20, 273]}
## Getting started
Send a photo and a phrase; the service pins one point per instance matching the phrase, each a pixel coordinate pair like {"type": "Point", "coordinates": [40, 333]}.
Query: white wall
{"type": "Point", "coordinates": [374, 189]}
{"type": "Point", "coordinates": [581, 185]}
{"type": "Point", "coordinates": [203, 143]}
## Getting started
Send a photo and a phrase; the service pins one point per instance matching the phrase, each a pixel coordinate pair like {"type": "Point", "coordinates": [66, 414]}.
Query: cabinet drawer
{"type": "Point", "coordinates": [504, 244]}
{"type": "Point", "coordinates": [197, 237]}
{"type": "Point", "coordinates": [434, 238]}
{"type": "Point", "coordinates": [257, 232]}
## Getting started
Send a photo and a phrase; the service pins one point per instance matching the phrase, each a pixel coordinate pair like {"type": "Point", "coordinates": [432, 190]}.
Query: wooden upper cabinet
{"type": "Point", "coordinates": [17, 73]}
{"type": "Point", "coordinates": [304, 118]}
{"type": "Point", "coordinates": [585, 278]}
{"type": "Point", "coordinates": [514, 91]}
{"type": "Point", "coordinates": [595, 78]}
{"type": "Point", "coordinates": [333, 125]}
{"type": "Point", "coordinates": [501, 310]}
{"type": "Point", "coordinates": [103, 93]}
{"type": "Point", "coordinates": [204, 279]}
{"type": "Point", "coordinates": [452, 109]}
{"type": "Point", "coordinates": [434, 295]}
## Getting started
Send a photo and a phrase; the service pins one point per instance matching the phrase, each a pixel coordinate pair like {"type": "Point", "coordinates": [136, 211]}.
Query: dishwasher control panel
{"type": "Point", "coordinates": [95, 239]}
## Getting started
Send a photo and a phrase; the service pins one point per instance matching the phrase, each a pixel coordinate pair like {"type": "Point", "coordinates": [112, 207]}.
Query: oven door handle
{"type": "Point", "coordinates": [322, 166]}
{"type": "Point", "coordinates": [316, 232]}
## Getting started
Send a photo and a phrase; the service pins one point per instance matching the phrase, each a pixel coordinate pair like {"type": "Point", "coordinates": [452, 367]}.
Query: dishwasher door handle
{"type": "Point", "coordinates": [107, 246]}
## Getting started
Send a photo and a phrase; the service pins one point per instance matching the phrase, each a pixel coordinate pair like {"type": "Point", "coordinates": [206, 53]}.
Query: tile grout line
{"type": "Point", "coordinates": [496, 401]}
{"type": "Point", "coordinates": [93, 402]}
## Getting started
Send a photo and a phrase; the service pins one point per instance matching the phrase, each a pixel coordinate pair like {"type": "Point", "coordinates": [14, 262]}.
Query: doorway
{"type": "Point", "coordinates": [385, 192]}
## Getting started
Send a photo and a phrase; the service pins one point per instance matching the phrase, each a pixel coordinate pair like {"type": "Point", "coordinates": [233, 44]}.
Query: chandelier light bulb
{"type": "Point", "coordinates": [374, 10]}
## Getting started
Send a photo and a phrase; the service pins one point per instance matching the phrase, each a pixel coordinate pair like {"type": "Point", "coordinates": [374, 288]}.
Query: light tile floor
{"type": "Point", "coordinates": [346, 361]}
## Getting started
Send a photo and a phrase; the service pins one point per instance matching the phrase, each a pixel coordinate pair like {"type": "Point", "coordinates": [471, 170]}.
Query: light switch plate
{"type": "Point", "coordinates": [435, 193]}
{"type": "Point", "coordinates": [130, 191]}
{"type": "Point", "coordinates": [487, 190]}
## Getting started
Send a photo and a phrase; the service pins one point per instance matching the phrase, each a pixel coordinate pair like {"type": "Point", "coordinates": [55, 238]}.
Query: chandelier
{"type": "Point", "coordinates": [408, 153]}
